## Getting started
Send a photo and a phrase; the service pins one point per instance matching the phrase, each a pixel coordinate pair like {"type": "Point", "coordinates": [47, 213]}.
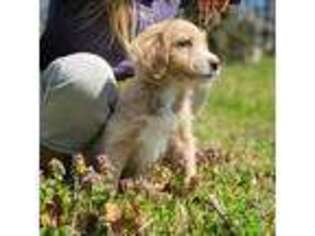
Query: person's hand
{"type": "Point", "coordinates": [124, 70]}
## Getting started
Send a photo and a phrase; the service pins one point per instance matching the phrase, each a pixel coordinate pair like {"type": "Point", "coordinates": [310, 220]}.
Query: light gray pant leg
{"type": "Point", "coordinates": [78, 94]}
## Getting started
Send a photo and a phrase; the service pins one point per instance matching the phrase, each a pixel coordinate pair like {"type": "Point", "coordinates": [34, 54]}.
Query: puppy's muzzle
{"type": "Point", "coordinates": [208, 66]}
{"type": "Point", "coordinates": [214, 66]}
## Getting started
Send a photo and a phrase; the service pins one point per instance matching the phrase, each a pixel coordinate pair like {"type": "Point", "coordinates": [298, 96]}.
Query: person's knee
{"type": "Point", "coordinates": [87, 73]}
{"type": "Point", "coordinates": [84, 66]}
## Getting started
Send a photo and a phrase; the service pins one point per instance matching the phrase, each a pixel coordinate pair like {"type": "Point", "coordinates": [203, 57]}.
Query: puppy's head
{"type": "Point", "coordinates": [174, 50]}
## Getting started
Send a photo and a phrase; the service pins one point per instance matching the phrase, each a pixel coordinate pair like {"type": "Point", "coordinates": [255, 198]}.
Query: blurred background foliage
{"type": "Point", "coordinates": [242, 33]}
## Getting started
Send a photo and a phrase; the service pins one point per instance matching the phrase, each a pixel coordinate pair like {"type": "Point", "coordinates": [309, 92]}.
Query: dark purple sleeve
{"type": "Point", "coordinates": [124, 70]}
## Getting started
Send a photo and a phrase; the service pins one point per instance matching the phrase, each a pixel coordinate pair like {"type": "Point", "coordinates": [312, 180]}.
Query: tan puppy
{"type": "Point", "coordinates": [155, 112]}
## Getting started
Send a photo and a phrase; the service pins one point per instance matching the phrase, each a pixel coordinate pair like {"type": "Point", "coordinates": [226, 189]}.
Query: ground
{"type": "Point", "coordinates": [235, 194]}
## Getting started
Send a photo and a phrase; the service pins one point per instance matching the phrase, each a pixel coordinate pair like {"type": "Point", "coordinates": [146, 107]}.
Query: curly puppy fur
{"type": "Point", "coordinates": [154, 113]}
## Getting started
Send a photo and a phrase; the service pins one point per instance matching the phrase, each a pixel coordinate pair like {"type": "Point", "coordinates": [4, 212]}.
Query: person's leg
{"type": "Point", "coordinates": [44, 14]}
{"type": "Point", "coordinates": [78, 94]}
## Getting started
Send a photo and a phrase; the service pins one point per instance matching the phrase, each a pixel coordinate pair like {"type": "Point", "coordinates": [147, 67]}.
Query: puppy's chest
{"type": "Point", "coordinates": [160, 126]}
{"type": "Point", "coordinates": [156, 134]}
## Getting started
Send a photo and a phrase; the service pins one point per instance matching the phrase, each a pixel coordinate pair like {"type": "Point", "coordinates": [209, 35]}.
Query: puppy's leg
{"type": "Point", "coordinates": [108, 162]}
{"type": "Point", "coordinates": [184, 150]}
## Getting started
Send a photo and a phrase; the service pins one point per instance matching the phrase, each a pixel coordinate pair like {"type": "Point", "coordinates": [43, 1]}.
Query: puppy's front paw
{"type": "Point", "coordinates": [192, 181]}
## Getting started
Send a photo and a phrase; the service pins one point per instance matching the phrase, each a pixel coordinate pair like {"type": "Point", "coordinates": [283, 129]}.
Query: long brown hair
{"type": "Point", "coordinates": [122, 20]}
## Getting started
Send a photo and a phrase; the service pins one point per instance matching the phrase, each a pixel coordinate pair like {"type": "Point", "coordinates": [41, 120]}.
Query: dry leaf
{"type": "Point", "coordinates": [113, 213]}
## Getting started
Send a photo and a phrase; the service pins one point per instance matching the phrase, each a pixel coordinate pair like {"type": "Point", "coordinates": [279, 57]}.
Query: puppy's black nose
{"type": "Point", "coordinates": [214, 65]}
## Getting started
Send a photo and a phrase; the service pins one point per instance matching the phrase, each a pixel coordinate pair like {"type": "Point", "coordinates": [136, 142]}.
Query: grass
{"type": "Point", "coordinates": [235, 193]}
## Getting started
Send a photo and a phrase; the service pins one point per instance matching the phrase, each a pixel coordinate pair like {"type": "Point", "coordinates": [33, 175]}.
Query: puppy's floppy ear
{"type": "Point", "coordinates": [150, 54]}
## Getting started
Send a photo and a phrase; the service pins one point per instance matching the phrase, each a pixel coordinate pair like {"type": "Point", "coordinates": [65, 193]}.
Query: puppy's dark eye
{"type": "Point", "coordinates": [183, 43]}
